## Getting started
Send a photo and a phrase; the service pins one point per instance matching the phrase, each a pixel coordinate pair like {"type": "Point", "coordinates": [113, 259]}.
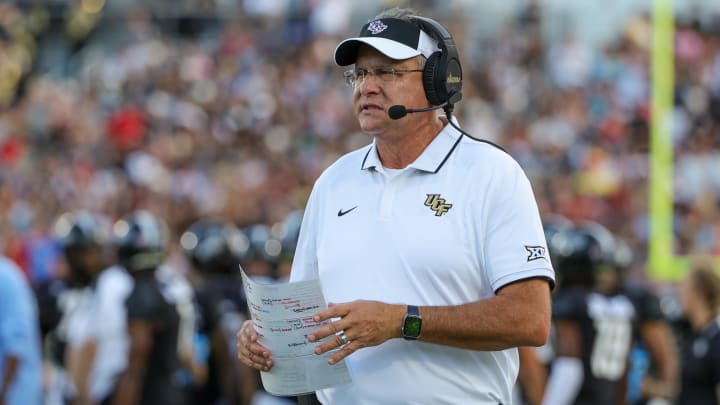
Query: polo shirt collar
{"type": "Point", "coordinates": [431, 159]}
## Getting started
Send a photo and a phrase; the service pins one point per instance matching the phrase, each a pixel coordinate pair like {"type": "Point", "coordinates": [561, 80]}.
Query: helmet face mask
{"type": "Point", "coordinates": [141, 239]}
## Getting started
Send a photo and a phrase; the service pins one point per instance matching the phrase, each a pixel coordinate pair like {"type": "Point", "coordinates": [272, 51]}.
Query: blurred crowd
{"type": "Point", "coordinates": [236, 117]}
{"type": "Point", "coordinates": [205, 114]}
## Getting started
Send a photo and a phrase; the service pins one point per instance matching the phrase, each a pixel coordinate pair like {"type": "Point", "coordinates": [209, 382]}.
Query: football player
{"type": "Point", "coordinates": [596, 321]}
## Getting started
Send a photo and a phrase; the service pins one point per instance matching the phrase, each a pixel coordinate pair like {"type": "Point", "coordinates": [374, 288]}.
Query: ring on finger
{"type": "Point", "coordinates": [344, 338]}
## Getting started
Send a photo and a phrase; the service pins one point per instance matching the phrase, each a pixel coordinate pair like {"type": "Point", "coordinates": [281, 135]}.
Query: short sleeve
{"type": "Point", "coordinates": [514, 241]}
{"type": "Point", "coordinates": [143, 303]}
{"type": "Point", "coordinates": [647, 304]}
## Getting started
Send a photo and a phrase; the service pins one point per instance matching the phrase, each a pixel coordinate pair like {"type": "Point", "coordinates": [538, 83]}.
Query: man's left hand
{"type": "Point", "coordinates": [362, 323]}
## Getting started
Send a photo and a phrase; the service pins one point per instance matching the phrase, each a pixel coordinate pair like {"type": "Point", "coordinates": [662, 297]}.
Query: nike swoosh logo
{"type": "Point", "coordinates": [341, 212]}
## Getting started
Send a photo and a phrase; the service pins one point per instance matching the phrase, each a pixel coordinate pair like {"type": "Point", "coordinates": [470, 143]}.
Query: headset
{"type": "Point", "coordinates": [442, 74]}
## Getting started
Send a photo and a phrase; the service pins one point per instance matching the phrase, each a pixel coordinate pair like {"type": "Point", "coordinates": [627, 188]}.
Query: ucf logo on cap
{"type": "Point", "coordinates": [376, 27]}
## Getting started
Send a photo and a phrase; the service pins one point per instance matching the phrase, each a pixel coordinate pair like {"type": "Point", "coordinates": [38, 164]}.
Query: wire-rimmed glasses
{"type": "Point", "coordinates": [354, 77]}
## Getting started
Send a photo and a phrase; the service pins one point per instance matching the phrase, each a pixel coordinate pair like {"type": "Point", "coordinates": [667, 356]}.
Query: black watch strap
{"type": "Point", "coordinates": [413, 310]}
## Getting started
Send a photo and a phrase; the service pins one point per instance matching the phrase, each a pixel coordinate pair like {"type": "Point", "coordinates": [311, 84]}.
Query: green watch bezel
{"type": "Point", "coordinates": [412, 323]}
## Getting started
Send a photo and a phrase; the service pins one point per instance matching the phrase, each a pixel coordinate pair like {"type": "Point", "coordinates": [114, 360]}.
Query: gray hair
{"type": "Point", "coordinates": [396, 12]}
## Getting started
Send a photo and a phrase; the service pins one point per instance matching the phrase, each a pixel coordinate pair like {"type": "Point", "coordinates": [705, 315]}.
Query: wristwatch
{"type": "Point", "coordinates": [412, 323]}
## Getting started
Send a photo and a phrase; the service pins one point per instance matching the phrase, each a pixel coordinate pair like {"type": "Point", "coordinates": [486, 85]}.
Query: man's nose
{"type": "Point", "coordinates": [369, 83]}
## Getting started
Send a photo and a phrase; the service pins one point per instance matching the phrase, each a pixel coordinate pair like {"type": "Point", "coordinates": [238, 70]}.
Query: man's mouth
{"type": "Point", "coordinates": [370, 107]}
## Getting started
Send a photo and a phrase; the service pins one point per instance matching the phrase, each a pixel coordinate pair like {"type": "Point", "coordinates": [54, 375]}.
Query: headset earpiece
{"type": "Point", "coordinates": [430, 84]}
{"type": "Point", "coordinates": [442, 75]}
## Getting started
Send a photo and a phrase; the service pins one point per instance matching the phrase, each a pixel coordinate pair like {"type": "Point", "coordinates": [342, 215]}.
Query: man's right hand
{"type": "Point", "coordinates": [250, 352]}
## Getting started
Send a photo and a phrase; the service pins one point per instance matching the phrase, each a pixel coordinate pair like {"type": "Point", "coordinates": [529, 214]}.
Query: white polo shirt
{"type": "Point", "coordinates": [453, 227]}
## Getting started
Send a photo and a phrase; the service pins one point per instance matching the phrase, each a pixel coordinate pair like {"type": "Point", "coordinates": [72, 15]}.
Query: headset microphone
{"type": "Point", "coordinates": [398, 111]}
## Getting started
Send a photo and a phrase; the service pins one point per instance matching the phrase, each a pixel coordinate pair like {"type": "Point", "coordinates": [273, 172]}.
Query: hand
{"type": "Point", "coordinates": [250, 352]}
{"type": "Point", "coordinates": [363, 324]}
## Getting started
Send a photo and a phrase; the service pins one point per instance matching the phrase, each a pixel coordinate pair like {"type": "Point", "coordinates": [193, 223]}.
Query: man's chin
{"type": "Point", "coordinates": [372, 127]}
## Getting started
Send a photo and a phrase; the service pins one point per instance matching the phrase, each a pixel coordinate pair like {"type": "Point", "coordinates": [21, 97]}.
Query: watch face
{"type": "Point", "coordinates": [412, 326]}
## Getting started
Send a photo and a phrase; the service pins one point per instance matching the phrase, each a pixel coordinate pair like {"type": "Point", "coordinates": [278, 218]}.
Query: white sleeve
{"type": "Point", "coordinates": [514, 242]}
{"type": "Point", "coordinates": [565, 380]}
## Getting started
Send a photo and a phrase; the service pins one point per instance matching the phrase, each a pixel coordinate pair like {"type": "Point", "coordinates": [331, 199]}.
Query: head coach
{"type": "Point", "coordinates": [428, 241]}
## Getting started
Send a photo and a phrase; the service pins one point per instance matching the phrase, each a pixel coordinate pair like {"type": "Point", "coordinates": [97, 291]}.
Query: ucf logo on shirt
{"type": "Point", "coordinates": [437, 204]}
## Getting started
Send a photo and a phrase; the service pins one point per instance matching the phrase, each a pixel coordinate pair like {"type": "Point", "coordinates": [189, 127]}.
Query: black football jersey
{"type": "Point", "coordinates": [147, 302]}
{"type": "Point", "coordinates": [607, 325]}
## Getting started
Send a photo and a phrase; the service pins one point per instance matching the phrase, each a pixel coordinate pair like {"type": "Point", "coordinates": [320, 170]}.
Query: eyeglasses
{"type": "Point", "coordinates": [355, 77]}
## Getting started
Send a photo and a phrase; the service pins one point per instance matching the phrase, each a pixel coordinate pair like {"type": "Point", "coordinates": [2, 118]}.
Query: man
{"type": "Point", "coordinates": [20, 360]}
{"type": "Point", "coordinates": [652, 334]}
{"type": "Point", "coordinates": [215, 249]}
{"type": "Point", "coordinates": [96, 326]}
{"type": "Point", "coordinates": [60, 300]}
{"type": "Point", "coordinates": [577, 255]}
{"type": "Point", "coordinates": [84, 237]}
{"type": "Point", "coordinates": [597, 319]}
{"type": "Point", "coordinates": [426, 234]}
{"type": "Point", "coordinates": [153, 319]}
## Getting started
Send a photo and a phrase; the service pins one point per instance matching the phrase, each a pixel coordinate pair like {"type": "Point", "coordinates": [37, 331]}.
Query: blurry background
{"type": "Point", "coordinates": [232, 108]}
